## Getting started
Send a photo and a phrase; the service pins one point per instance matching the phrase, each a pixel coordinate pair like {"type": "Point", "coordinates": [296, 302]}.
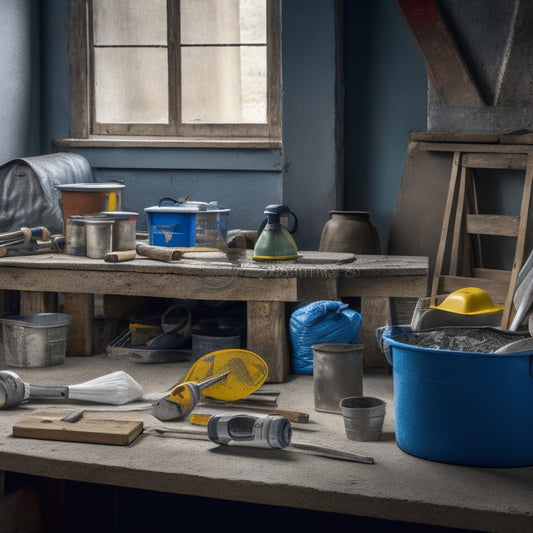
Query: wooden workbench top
{"type": "Point", "coordinates": [311, 264]}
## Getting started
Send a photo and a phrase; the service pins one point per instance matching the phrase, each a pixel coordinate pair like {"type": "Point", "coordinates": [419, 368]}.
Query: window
{"type": "Point", "coordinates": [175, 68]}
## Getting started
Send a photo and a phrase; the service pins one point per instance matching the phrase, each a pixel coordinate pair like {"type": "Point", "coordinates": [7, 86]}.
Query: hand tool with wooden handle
{"type": "Point", "coordinates": [293, 416]}
{"type": "Point", "coordinates": [164, 253]}
{"type": "Point", "coordinates": [117, 257]}
{"type": "Point", "coordinates": [24, 236]}
{"type": "Point", "coordinates": [183, 398]}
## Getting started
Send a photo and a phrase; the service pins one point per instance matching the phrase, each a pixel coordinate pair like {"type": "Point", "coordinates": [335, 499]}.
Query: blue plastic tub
{"type": "Point", "coordinates": [462, 408]}
{"type": "Point", "coordinates": [171, 226]}
{"type": "Point", "coordinates": [189, 224]}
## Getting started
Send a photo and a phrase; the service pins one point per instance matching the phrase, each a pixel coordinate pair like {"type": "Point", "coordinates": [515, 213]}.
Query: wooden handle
{"type": "Point", "coordinates": [116, 257]}
{"type": "Point", "coordinates": [159, 253]}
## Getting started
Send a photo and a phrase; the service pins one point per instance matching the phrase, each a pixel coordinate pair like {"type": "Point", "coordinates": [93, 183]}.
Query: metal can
{"type": "Point", "coordinates": [75, 236]}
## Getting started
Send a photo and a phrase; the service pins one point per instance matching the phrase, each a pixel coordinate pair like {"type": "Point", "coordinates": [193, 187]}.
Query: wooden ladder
{"type": "Point", "coordinates": [463, 254]}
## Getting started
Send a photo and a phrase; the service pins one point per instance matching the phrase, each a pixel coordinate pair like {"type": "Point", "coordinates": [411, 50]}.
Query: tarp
{"type": "Point", "coordinates": [28, 189]}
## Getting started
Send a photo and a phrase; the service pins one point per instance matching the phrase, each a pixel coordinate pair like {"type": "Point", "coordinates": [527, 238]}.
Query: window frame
{"type": "Point", "coordinates": [82, 122]}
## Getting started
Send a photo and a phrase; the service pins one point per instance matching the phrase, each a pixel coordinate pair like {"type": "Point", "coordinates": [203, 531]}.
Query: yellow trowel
{"type": "Point", "coordinates": [226, 375]}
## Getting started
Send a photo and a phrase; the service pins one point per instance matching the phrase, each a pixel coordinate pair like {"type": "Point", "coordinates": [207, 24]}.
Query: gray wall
{"type": "Point", "coordinates": [385, 97]}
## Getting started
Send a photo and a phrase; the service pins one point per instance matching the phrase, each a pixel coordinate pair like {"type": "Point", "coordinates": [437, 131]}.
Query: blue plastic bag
{"type": "Point", "coordinates": [321, 321]}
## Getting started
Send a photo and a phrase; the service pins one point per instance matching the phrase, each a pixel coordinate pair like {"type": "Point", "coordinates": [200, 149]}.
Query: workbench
{"type": "Point", "coordinates": [172, 473]}
{"type": "Point", "coordinates": [266, 286]}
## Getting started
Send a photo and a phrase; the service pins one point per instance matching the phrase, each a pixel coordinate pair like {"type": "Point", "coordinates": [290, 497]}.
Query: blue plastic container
{"type": "Point", "coordinates": [462, 408]}
{"type": "Point", "coordinates": [171, 226]}
{"type": "Point", "coordinates": [187, 224]}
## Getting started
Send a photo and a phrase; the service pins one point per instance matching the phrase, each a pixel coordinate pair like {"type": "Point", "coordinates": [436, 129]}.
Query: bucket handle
{"type": "Point", "coordinates": [183, 327]}
{"type": "Point", "coordinates": [168, 200]}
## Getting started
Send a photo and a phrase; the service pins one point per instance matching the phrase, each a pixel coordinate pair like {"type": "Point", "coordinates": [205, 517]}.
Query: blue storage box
{"type": "Point", "coordinates": [464, 408]}
{"type": "Point", "coordinates": [187, 225]}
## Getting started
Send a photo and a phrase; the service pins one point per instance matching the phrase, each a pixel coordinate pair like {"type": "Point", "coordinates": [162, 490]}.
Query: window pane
{"type": "Point", "coordinates": [125, 22]}
{"type": "Point", "coordinates": [131, 85]}
{"type": "Point", "coordinates": [224, 85]}
{"type": "Point", "coordinates": [223, 21]}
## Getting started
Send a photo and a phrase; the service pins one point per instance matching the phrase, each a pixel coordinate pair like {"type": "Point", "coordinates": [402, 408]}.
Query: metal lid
{"type": "Point", "coordinates": [120, 214]}
{"type": "Point", "coordinates": [90, 187]}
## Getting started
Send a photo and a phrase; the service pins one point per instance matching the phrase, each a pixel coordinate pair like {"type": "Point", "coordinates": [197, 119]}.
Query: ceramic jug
{"type": "Point", "coordinates": [350, 232]}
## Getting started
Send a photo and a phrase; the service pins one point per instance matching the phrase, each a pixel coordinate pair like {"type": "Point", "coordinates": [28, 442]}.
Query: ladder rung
{"type": "Point", "coordinates": [497, 290]}
{"type": "Point", "coordinates": [506, 225]}
{"type": "Point", "coordinates": [493, 274]}
{"type": "Point", "coordinates": [484, 160]}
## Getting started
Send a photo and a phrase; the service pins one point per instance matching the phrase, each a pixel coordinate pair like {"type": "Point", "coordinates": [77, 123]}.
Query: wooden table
{"type": "Point", "coordinates": [265, 286]}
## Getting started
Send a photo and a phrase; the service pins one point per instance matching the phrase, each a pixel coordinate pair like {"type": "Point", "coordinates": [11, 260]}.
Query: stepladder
{"type": "Point", "coordinates": [484, 236]}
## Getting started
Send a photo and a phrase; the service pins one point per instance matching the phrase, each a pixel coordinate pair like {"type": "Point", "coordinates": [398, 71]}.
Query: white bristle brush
{"type": "Point", "coordinates": [116, 388]}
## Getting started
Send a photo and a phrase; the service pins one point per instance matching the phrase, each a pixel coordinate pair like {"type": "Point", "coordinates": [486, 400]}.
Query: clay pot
{"type": "Point", "coordinates": [350, 232]}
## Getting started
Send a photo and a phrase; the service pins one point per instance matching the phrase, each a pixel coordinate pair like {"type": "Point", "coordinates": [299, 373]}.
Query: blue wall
{"type": "Point", "coordinates": [384, 98]}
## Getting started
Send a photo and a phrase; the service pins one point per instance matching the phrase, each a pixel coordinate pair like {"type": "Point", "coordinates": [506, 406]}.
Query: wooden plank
{"type": "Point", "coordinates": [416, 225]}
{"type": "Point", "coordinates": [506, 225]}
{"type": "Point", "coordinates": [150, 284]}
{"type": "Point", "coordinates": [494, 160]}
{"type": "Point", "coordinates": [268, 337]}
{"type": "Point", "coordinates": [376, 313]}
{"type": "Point", "coordinates": [37, 302]}
{"type": "Point", "coordinates": [81, 307]}
{"type": "Point", "coordinates": [449, 73]}
{"type": "Point", "coordinates": [387, 286]}
{"type": "Point", "coordinates": [453, 136]}
{"type": "Point", "coordinates": [456, 174]}
{"type": "Point", "coordinates": [497, 290]}
{"type": "Point", "coordinates": [479, 147]}
{"type": "Point", "coordinates": [49, 426]}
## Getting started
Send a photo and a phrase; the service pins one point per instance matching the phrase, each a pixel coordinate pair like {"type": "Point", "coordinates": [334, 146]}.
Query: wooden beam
{"type": "Point", "coordinates": [445, 65]}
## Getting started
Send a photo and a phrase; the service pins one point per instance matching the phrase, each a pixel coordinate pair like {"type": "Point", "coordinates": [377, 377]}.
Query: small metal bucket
{"type": "Point", "coordinates": [363, 417]}
{"type": "Point", "coordinates": [337, 374]}
{"type": "Point", "coordinates": [98, 236]}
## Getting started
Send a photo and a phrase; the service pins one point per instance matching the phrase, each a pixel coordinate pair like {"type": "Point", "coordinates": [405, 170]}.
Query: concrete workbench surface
{"type": "Point", "coordinates": [396, 487]}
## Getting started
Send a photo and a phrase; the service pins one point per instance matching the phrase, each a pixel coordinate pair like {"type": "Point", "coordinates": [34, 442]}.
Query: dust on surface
{"type": "Point", "coordinates": [483, 340]}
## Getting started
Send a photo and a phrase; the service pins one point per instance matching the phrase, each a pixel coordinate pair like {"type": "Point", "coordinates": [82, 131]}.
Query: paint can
{"type": "Point", "coordinates": [98, 236]}
{"type": "Point", "coordinates": [75, 236]}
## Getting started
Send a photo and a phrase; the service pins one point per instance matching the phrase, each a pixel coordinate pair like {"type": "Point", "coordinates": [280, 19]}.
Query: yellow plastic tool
{"type": "Point", "coordinates": [248, 372]}
{"type": "Point", "coordinates": [469, 301]}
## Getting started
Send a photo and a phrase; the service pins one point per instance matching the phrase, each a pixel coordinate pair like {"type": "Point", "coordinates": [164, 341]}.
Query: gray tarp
{"type": "Point", "coordinates": [29, 197]}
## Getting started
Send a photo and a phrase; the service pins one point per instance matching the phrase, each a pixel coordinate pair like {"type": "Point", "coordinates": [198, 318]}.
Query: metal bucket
{"type": "Point", "coordinates": [35, 340]}
{"type": "Point", "coordinates": [124, 229]}
{"type": "Point", "coordinates": [207, 341]}
{"type": "Point", "coordinates": [337, 374]}
{"type": "Point", "coordinates": [98, 236]}
{"type": "Point", "coordinates": [363, 417]}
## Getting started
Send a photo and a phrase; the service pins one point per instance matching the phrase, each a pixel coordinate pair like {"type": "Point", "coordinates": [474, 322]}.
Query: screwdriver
{"type": "Point", "coordinates": [183, 398]}
{"type": "Point", "coordinates": [270, 431]}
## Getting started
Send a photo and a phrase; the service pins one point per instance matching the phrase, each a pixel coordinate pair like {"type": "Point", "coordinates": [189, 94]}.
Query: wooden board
{"type": "Point", "coordinates": [49, 426]}
{"type": "Point", "coordinates": [446, 67]}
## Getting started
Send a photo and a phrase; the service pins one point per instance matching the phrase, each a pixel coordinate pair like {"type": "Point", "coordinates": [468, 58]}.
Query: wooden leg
{"type": "Point", "coordinates": [81, 307]}
{"type": "Point", "coordinates": [268, 337]}
{"type": "Point", "coordinates": [37, 302]}
{"type": "Point", "coordinates": [376, 314]}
